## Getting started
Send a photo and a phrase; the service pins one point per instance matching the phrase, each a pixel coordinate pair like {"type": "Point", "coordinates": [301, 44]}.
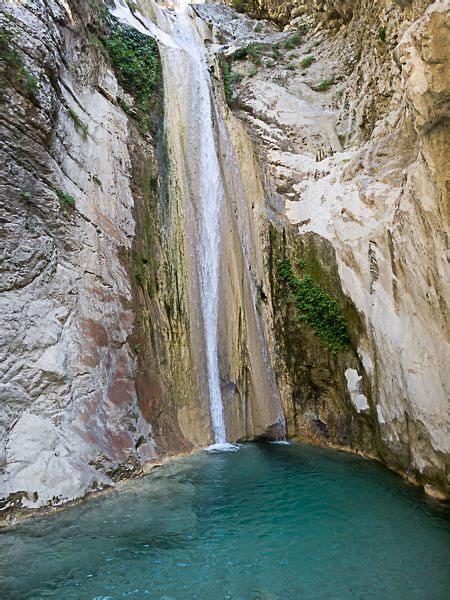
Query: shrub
{"type": "Point", "coordinates": [307, 61]}
{"type": "Point", "coordinates": [291, 67]}
{"type": "Point", "coordinates": [226, 78]}
{"type": "Point", "coordinates": [80, 125]}
{"type": "Point", "coordinates": [292, 41]}
{"type": "Point", "coordinates": [96, 180]}
{"type": "Point", "coordinates": [135, 58]}
{"type": "Point", "coordinates": [323, 85]}
{"type": "Point", "coordinates": [382, 34]}
{"type": "Point", "coordinates": [239, 5]}
{"type": "Point", "coordinates": [64, 198]}
{"type": "Point", "coordinates": [258, 27]}
{"type": "Point", "coordinates": [252, 71]}
{"type": "Point", "coordinates": [12, 63]}
{"type": "Point", "coordinates": [253, 51]}
{"type": "Point", "coordinates": [316, 307]}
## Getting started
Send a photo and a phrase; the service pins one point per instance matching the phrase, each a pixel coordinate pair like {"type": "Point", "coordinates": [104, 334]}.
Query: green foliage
{"type": "Point", "coordinates": [239, 5]}
{"type": "Point", "coordinates": [316, 307]}
{"type": "Point", "coordinates": [258, 27]}
{"type": "Point", "coordinates": [226, 77]}
{"type": "Point", "coordinates": [291, 67]}
{"type": "Point", "coordinates": [382, 34]}
{"type": "Point", "coordinates": [135, 58]}
{"type": "Point", "coordinates": [96, 180]}
{"type": "Point", "coordinates": [229, 77]}
{"type": "Point", "coordinates": [64, 198]}
{"type": "Point", "coordinates": [253, 52]}
{"type": "Point", "coordinates": [80, 125]}
{"type": "Point", "coordinates": [292, 41]}
{"type": "Point", "coordinates": [25, 195]}
{"type": "Point", "coordinates": [252, 71]}
{"type": "Point", "coordinates": [276, 54]}
{"type": "Point", "coordinates": [323, 85]}
{"type": "Point", "coordinates": [307, 61]}
{"type": "Point", "coordinates": [12, 64]}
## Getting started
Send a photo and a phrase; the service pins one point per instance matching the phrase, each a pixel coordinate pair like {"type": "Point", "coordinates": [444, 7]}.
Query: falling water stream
{"type": "Point", "coordinates": [197, 133]}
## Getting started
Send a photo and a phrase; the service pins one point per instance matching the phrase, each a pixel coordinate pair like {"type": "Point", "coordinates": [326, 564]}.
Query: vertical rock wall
{"type": "Point", "coordinates": [350, 119]}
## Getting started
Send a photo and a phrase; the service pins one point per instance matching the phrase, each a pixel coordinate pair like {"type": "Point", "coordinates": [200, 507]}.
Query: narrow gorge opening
{"type": "Point", "coordinates": [224, 294]}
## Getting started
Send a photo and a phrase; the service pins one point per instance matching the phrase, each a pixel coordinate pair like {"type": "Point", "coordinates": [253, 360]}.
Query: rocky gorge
{"type": "Point", "coordinates": [330, 123]}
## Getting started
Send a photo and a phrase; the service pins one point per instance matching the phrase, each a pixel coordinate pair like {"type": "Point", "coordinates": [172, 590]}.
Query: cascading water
{"type": "Point", "coordinates": [210, 197]}
{"type": "Point", "coordinates": [196, 136]}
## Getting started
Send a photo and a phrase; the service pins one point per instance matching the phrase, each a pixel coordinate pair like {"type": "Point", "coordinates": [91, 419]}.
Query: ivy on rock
{"type": "Point", "coordinates": [317, 308]}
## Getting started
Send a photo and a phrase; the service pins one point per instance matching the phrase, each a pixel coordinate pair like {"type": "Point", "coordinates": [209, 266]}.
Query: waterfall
{"type": "Point", "coordinates": [196, 135]}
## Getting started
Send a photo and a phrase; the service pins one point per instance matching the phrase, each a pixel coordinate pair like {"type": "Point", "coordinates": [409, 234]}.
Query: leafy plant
{"type": "Point", "coordinates": [382, 34]}
{"type": "Point", "coordinates": [323, 85]}
{"type": "Point", "coordinates": [96, 180]}
{"type": "Point", "coordinates": [316, 307]}
{"type": "Point", "coordinates": [135, 58]}
{"type": "Point", "coordinates": [229, 78]}
{"type": "Point", "coordinates": [253, 52]}
{"type": "Point", "coordinates": [226, 78]}
{"type": "Point", "coordinates": [307, 61]}
{"type": "Point", "coordinates": [292, 41]}
{"type": "Point", "coordinates": [258, 27]}
{"type": "Point", "coordinates": [12, 63]}
{"type": "Point", "coordinates": [252, 71]}
{"type": "Point", "coordinates": [64, 198]}
{"type": "Point", "coordinates": [80, 125]}
{"type": "Point", "coordinates": [291, 67]}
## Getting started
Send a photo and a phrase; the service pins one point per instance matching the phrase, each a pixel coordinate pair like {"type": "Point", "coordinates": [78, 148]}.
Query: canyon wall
{"type": "Point", "coordinates": [103, 365]}
{"type": "Point", "coordinates": [335, 231]}
{"type": "Point", "coordinates": [348, 111]}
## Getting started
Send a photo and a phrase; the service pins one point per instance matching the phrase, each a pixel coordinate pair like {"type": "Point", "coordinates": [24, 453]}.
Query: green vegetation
{"type": "Point", "coordinates": [239, 5]}
{"type": "Point", "coordinates": [96, 180]}
{"type": "Point", "coordinates": [25, 195]}
{"type": "Point", "coordinates": [382, 34]}
{"type": "Point", "coordinates": [229, 77]}
{"type": "Point", "coordinates": [291, 67]}
{"type": "Point", "coordinates": [276, 54]}
{"type": "Point", "coordinates": [135, 58]}
{"type": "Point", "coordinates": [292, 41]}
{"type": "Point", "coordinates": [80, 125]}
{"type": "Point", "coordinates": [252, 71]}
{"type": "Point", "coordinates": [323, 85]}
{"type": "Point", "coordinates": [253, 52]}
{"type": "Point", "coordinates": [12, 64]}
{"type": "Point", "coordinates": [65, 199]}
{"type": "Point", "coordinates": [226, 77]}
{"type": "Point", "coordinates": [316, 307]}
{"type": "Point", "coordinates": [258, 27]}
{"type": "Point", "coordinates": [307, 61]}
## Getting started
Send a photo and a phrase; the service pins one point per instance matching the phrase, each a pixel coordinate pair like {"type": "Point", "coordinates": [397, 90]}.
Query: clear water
{"type": "Point", "coordinates": [267, 522]}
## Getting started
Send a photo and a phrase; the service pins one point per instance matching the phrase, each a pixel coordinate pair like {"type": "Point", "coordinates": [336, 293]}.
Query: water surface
{"type": "Point", "coordinates": [267, 522]}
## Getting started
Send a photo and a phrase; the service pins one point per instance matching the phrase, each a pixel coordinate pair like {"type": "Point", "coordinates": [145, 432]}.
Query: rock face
{"type": "Point", "coordinates": [350, 119]}
{"type": "Point", "coordinates": [341, 137]}
{"type": "Point", "coordinates": [102, 368]}
{"type": "Point", "coordinates": [70, 418]}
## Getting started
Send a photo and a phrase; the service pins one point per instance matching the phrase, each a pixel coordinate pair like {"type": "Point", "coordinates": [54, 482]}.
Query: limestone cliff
{"type": "Point", "coordinates": [348, 109]}
{"type": "Point", "coordinates": [335, 233]}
